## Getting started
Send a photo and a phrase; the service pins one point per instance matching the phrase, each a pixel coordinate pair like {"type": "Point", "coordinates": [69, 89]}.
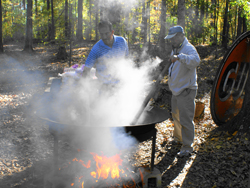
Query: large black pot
{"type": "Point", "coordinates": [142, 131]}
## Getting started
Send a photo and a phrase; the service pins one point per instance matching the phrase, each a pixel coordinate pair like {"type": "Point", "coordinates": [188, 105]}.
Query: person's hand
{"type": "Point", "coordinates": [174, 58]}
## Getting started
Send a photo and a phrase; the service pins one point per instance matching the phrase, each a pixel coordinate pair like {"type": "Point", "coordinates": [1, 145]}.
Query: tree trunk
{"type": "Point", "coordinates": [53, 22]}
{"type": "Point", "coordinates": [202, 14]}
{"type": "Point", "coordinates": [134, 26]}
{"type": "Point", "coordinates": [90, 20]}
{"type": "Point", "coordinates": [207, 11]}
{"type": "Point", "coordinates": [244, 23]}
{"type": "Point", "coordinates": [216, 23]}
{"type": "Point", "coordinates": [96, 19]}
{"type": "Point", "coordinates": [66, 19]}
{"type": "Point", "coordinates": [235, 24]}
{"type": "Point", "coordinates": [230, 25]}
{"type": "Point", "coordinates": [79, 25]}
{"type": "Point", "coordinates": [36, 7]}
{"type": "Point", "coordinates": [239, 27]}
{"type": "Point", "coordinates": [71, 21]}
{"type": "Point", "coordinates": [196, 21]}
{"type": "Point", "coordinates": [1, 28]}
{"type": "Point", "coordinates": [28, 38]}
{"type": "Point", "coordinates": [127, 29]}
{"type": "Point", "coordinates": [48, 4]}
{"type": "Point", "coordinates": [225, 27]}
{"type": "Point", "coordinates": [102, 8]}
{"type": "Point", "coordinates": [163, 27]}
{"type": "Point", "coordinates": [24, 4]}
{"type": "Point", "coordinates": [96, 3]}
{"type": "Point", "coordinates": [148, 28]}
{"type": "Point", "coordinates": [212, 23]}
{"type": "Point", "coordinates": [181, 13]}
{"type": "Point", "coordinates": [144, 23]}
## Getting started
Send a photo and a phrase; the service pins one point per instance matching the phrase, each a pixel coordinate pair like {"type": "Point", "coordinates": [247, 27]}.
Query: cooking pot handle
{"type": "Point", "coordinates": [153, 91]}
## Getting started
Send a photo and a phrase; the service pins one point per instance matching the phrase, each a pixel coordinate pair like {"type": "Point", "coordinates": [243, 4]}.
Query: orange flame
{"type": "Point", "coordinates": [82, 162]}
{"type": "Point", "coordinates": [106, 166]}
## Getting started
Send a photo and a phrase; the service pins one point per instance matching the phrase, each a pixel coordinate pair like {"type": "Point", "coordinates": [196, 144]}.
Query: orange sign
{"type": "Point", "coordinates": [228, 91]}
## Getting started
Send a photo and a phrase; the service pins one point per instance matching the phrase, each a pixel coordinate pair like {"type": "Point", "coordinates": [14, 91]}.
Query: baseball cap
{"type": "Point", "coordinates": [173, 31]}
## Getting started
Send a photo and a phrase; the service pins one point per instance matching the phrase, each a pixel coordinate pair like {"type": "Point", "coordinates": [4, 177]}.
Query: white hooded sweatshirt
{"type": "Point", "coordinates": [182, 73]}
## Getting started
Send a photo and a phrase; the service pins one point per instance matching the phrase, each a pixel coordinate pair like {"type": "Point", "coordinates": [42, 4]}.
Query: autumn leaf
{"type": "Point", "coordinates": [235, 133]}
{"type": "Point", "coordinates": [233, 172]}
{"type": "Point", "coordinates": [218, 147]}
{"type": "Point", "coordinates": [215, 139]}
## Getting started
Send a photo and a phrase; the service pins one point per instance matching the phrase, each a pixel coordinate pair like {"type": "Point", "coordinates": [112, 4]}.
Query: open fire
{"type": "Point", "coordinates": [103, 171]}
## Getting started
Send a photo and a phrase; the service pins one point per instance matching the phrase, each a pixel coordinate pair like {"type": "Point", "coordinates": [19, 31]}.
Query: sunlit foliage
{"type": "Point", "coordinates": [204, 18]}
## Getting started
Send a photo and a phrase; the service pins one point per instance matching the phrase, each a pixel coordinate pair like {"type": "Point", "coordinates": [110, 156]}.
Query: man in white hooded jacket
{"type": "Point", "coordinates": [182, 82]}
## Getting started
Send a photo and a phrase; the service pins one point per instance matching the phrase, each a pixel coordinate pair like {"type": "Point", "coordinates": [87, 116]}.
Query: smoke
{"type": "Point", "coordinates": [18, 73]}
{"type": "Point", "coordinates": [114, 10]}
{"type": "Point", "coordinates": [20, 78]}
{"type": "Point", "coordinates": [95, 111]}
{"type": "Point", "coordinates": [124, 3]}
{"type": "Point", "coordinates": [96, 115]}
{"type": "Point", "coordinates": [92, 116]}
{"type": "Point", "coordinates": [89, 103]}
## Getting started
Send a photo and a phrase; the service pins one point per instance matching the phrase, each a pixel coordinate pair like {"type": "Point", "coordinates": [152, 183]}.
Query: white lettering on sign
{"type": "Point", "coordinates": [231, 86]}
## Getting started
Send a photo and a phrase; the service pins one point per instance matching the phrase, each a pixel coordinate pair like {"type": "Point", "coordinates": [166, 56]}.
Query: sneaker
{"type": "Point", "coordinates": [184, 153]}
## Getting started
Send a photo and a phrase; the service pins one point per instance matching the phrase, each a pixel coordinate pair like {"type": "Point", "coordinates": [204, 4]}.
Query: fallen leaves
{"type": "Point", "coordinates": [222, 159]}
{"type": "Point", "coordinates": [8, 167]}
{"type": "Point", "coordinates": [235, 133]}
{"type": "Point", "coordinates": [13, 100]}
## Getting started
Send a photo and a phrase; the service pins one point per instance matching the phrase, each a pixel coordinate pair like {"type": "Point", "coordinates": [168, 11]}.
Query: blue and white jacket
{"type": "Point", "coordinates": [101, 55]}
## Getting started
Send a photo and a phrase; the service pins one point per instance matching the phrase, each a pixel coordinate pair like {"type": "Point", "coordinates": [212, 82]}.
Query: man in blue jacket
{"type": "Point", "coordinates": [108, 50]}
{"type": "Point", "coordinates": [182, 82]}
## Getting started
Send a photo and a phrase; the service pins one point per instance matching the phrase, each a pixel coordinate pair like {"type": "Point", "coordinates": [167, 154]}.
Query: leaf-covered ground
{"type": "Point", "coordinates": [221, 157]}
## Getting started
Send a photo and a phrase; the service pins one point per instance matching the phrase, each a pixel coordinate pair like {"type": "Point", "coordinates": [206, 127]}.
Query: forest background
{"type": "Point", "coordinates": [143, 22]}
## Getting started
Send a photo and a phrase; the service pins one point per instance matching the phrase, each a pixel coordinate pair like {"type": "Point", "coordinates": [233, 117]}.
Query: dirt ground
{"type": "Point", "coordinates": [221, 157]}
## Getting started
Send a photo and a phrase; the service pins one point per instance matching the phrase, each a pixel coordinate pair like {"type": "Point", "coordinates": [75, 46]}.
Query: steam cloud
{"type": "Point", "coordinates": [89, 108]}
